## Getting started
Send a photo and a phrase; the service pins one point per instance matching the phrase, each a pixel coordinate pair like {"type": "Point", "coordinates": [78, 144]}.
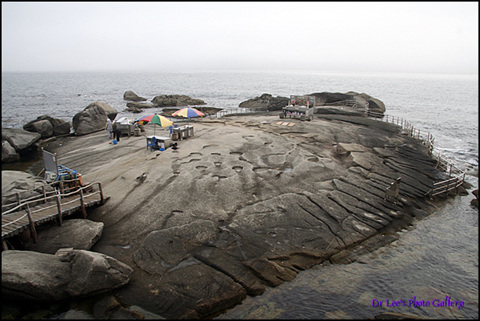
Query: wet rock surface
{"type": "Point", "coordinates": [246, 203]}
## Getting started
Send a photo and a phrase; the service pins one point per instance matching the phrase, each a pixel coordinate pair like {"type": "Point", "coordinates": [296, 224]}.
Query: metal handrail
{"type": "Point", "coordinates": [239, 110]}
{"type": "Point", "coordinates": [442, 164]}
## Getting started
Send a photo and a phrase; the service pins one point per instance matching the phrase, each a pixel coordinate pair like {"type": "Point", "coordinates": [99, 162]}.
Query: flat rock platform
{"type": "Point", "coordinates": [246, 203]}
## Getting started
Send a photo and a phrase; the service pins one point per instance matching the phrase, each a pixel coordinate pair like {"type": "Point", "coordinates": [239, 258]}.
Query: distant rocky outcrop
{"type": "Point", "coordinates": [93, 118]}
{"type": "Point", "coordinates": [48, 126]}
{"type": "Point", "coordinates": [17, 142]}
{"type": "Point", "coordinates": [23, 183]}
{"type": "Point", "coordinates": [136, 107]}
{"type": "Point", "coordinates": [265, 102]}
{"type": "Point", "coordinates": [68, 273]}
{"type": "Point", "coordinates": [176, 100]}
{"type": "Point", "coordinates": [350, 99]}
{"type": "Point", "coordinates": [80, 234]}
{"type": "Point", "coordinates": [130, 95]}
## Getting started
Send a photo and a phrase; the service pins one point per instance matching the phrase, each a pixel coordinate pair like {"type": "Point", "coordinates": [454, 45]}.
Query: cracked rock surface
{"type": "Point", "coordinates": [247, 202]}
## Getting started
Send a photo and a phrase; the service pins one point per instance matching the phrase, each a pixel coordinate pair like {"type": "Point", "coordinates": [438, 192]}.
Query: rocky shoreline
{"type": "Point", "coordinates": [247, 203]}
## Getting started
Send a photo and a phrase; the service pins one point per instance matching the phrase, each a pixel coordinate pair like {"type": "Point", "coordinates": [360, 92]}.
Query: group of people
{"type": "Point", "coordinates": [113, 131]}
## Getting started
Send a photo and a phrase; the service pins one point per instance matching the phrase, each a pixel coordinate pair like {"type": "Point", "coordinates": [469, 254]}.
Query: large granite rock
{"type": "Point", "coordinates": [80, 234]}
{"type": "Point", "coordinates": [23, 183]}
{"type": "Point", "coordinates": [265, 102]}
{"type": "Point", "coordinates": [48, 126]}
{"type": "Point", "coordinates": [9, 154]}
{"type": "Point", "coordinates": [249, 202]}
{"type": "Point", "coordinates": [130, 95]}
{"type": "Point", "coordinates": [68, 274]}
{"type": "Point", "coordinates": [93, 118]}
{"type": "Point", "coordinates": [350, 98]}
{"type": "Point", "coordinates": [22, 141]}
{"type": "Point", "coordinates": [136, 107]}
{"type": "Point", "coordinates": [176, 100]}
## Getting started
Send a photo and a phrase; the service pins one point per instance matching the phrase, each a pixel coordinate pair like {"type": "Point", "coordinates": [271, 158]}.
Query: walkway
{"type": "Point", "coordinates": [32, 212]}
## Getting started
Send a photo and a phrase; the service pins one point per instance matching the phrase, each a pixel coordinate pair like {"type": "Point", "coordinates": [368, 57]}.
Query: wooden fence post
{"type": "Point", "coordinates": [84, 211]}
{"type": "Point", "coordinates": [101, 192]}
{"type": "Point", "coordinates": [59, 207]}
{"type": "Point", "coordinates": [32, 226]}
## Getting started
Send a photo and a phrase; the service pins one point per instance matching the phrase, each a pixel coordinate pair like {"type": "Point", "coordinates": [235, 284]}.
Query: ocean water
{"type": "Point", "coordinates": [436, 258]}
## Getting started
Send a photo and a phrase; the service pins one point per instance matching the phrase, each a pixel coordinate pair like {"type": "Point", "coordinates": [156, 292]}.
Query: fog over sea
{"type": "Point", "coordinates": [435, 259]}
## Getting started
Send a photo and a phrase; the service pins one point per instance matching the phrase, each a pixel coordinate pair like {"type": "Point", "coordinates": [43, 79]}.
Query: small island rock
{"type": "Point", "coordinates": [175, 100]}
{"type": "Point", "coordinates": [265, 102]}
{"type": "Point", "coordinates": [130, 95]}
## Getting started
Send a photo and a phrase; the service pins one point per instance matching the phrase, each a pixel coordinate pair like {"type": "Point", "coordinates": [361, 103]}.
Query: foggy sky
{"type": "Point", "coordinates": [439, 37]}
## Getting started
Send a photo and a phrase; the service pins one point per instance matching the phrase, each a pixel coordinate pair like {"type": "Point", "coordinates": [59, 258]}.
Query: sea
{"type": "Point", "coordinates": [431, 271]}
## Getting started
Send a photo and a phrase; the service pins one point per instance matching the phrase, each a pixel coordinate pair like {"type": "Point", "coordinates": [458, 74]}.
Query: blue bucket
{"type": "Point", "coordinates": [114, 142]}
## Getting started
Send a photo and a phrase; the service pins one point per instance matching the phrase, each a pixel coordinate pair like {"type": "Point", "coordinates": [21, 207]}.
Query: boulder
{"type": "Point", "coordinates": [175, 100]}
{"type": "Point", "coordinates": [374, 104]}
{"type": "Point", "coordinates": [134, 110]}
{"type": "Point", "coordinates": [48, 126]}
{"type": "Point", "coordinates": [93, 118]}
{"type": "Point", "coordinates": [79, 234]}
{"type": "Point", "coordinates": [139, 105]}
{"type": "Point", "coordinates": [130, 95]}
{"type": "Point", "coordinates": [19, 139]}
{"type": "Point", "coordinates": [9, 154]}
{"type": "Point", "coordinates": [22, 141]}
{"type": "Point", "coordinates": [62, 129]}
{"type": "Point", "coordinates": [21, 182]}
{"type": "Point", "coordinates": [265, 102]}
{"type": "Point", "coordinates": [350, 99]}
{"type": "Point", "coordinates": [43, 127]}
{"type": "Point", "coordinates": [328, 98]}
{"type": "Point", "coordinates": [67, 274]}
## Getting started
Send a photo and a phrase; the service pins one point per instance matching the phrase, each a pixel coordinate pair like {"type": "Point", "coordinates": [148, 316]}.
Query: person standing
{"type": "Point", "coordinates": [109, 128]}
{"type": "Point", "coordinates": [116, 132]}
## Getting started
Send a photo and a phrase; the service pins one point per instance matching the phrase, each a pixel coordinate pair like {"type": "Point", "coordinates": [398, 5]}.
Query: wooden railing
{"type": "Point", "coordinates": [55, 201]}
{"type": "Point", "coordinates": [58, 187]}
{"type": "Point", "coordinates": [456, 176]}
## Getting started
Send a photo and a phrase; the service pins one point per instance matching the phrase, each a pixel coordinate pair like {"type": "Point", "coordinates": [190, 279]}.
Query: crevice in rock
{"type": "Point", "coordinates": [328, 226]}
{"type": "Point", "coordinates": [354, 215]}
